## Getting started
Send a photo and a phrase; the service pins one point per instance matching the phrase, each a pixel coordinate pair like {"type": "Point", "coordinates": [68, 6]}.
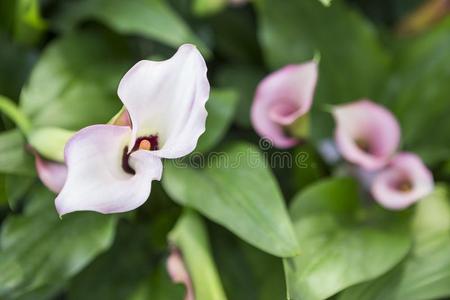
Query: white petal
{"type": "Point", "coordinates": [96, 180]}
{"type": "Point", "coordinates": [168, 98]}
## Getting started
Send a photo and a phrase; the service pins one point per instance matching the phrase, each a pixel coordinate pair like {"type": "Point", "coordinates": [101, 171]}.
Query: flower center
{"type": "Point", "coordinates": [363, 145]}
{"type": "Point", "coordinates": [148, 143]}
{"type": "Point", "coordinates": [404, 186]}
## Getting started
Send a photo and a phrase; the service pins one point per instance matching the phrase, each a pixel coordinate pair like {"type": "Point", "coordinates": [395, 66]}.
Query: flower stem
{"type": "Point", "coordinates": [10, 109]}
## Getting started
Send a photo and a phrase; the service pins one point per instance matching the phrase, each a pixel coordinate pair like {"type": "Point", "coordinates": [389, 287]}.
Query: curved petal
{"type": "Point", "coordinates": [405, 168]}
{"type": "Point", "coordinates": [52, 174]}
{"type": "Point", "coordinates": [168, 99]}
{"type": "Point", "coordinates": [96, 180]}
{"type": "Point", "coordinates": [281, 98]}
{"type": "Point", "coordinates": [368, 123]}
{"type": "Point", "coordinates": [179, 274]}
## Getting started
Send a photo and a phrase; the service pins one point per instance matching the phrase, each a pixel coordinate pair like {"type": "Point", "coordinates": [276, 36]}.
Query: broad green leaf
{"type": "Point", "coordinates": [13, 157]}
{"type": "Point", "coordinates": [341, 244]}
{"type": "Point", "coordinates": [221, 107]}
{"type": "Point", "coordinates": [418, 93]}
{"type": "Point", "coordinates": [118, 273]}
{"type": "Point", "coordinates": [50, 142]}
{"type": "Point", "coordinates": [425, 273]}
{"type": "Point", "coordinates": [75, 81]}
{"type": "Point", "coordinates": [44, 248]}
{"type": "Point", "coordinates": [153, 19]}
{"type": "Point", "coordinates": [352, 64]}
{"type": "Point", "coordinates": [190, 236]}
{"type": "Point", "coordinates": [237, 190]}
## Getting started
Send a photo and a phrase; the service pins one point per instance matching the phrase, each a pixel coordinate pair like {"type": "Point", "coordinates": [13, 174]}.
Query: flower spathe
{"type": "Point", "coordinates": [404, 181]}
{"type": "Point", "coordinates": [280, 99]}
{"type": "Point", "coordinates": [110, 167]}
{"type": "Point", "coordinates": [366, 134]}
{"type": "Point", "coordinates": [179, 274]}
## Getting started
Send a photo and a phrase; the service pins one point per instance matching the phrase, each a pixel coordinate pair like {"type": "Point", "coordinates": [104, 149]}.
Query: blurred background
{"type": "Point", "coordinates": [60, 64]}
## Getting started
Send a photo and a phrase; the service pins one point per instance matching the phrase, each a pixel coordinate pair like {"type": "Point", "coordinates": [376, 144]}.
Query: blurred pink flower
{"type": "Point", "coordinates": [366, 134]}
{"type": "Point", "coordinates": [281, 98]}
{"type": "Point", "coordinates": [110, 167]}
{"type": "Point", "coordinates": [178, 272]}
{"type": "Point", "coordinates": [52, 174]}
{"type": "Point", "coordinates": [404, 181]}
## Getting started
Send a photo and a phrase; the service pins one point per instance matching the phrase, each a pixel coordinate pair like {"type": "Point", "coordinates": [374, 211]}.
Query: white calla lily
{"type": "Point", "coordinates": [110, 167]}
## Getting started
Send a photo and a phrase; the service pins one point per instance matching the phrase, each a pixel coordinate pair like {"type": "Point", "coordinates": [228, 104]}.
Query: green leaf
{"type": "Point", "coordinates": [88, 67]}
{"type": "Point", "coordinates": [341, 243]}
{"type": "Point", "coordinates": [418, 93]}
{"type": "Point", "coordinates": [13, 157]}
{"type": "Point", "coordinates": [50, 142]}
{"type": "Point", "coordinates": [190, 236]}
{"type": "Point", "coordinates": [237, 190]}
{"type": "Point", "coordinates": [45, 249]}
{"type": "Point", "coordinates": [153, 19]}
{"type": "Point", "coordinates": [221, 107]}
{"type": "Point", "coordinates": [118, 273]}
{"type": "Point", "coordinates": [353, 63]}
{"type": "Point", "coordinates": [425, 273]}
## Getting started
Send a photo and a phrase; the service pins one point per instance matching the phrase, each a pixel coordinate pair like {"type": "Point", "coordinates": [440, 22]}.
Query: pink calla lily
{"type": "Point", "coordinates": [179, 274]}
{"type": "Point", "coordinates": [403, 182]}
{"type": "Point", "coordinates": [110, 167]}
{"type": "Point", "coordinates": [366, 134]}
{"type": "Point", "coordinates": [281, 98]}
{"type": "Point", "coordinates": [52, 174]}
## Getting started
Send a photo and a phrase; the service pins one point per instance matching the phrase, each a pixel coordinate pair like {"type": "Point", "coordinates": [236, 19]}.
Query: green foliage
{"type": "Point", "coordinates": [424, 273]}
{"type": "Point", "coordinates": [352, 62]}
{"type": "Point", "coordinates": [153, 19]}
{"type": "Point", "coordinates": [37, 248]}
{"type": "Point", "coordinates": [238, 191]}
{"type": "Point", "coordinates": [190, 236]}
{"type": "Point", "coordinates": [336, 236]}
{"type": "Point", "coordinates": [14, 159]}
{"type": "Point", "coordinates": [60, 65]}
{"type": "Point", "coordinates": [418, 93]}
{"type": "Point", "coordinates": [75, 81]}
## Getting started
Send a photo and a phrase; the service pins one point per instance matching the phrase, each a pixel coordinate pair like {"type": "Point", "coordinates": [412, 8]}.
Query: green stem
{"type": "Point", "coordinates": [10, 109]}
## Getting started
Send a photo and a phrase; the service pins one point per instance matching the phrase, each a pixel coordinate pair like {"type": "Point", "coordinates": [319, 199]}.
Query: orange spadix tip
{"type": "Point", "coordinates": [145, 145]}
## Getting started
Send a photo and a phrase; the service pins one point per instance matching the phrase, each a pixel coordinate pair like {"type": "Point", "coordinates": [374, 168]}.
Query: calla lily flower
{"type": "Point", "coordinates": [179, 274]}
{"type": "Point", "coordinates": [281, 99]}
{"type": "Point", "coordinates": [366, 134]}
{"type": "Point", "coordinates": [111, 167]}
{"type": "Point", "coordinates": [403, 182]}
{"type": "Point", "coordinates": [52, 174]}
